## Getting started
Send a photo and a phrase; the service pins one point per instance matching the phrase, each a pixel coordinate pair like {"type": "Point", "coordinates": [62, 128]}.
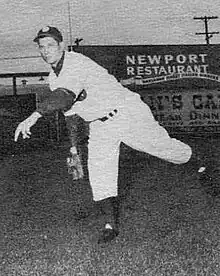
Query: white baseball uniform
{"type": "Point", "coordinates": [132, 123]}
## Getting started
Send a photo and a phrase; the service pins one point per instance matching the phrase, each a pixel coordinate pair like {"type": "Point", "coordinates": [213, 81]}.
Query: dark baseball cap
{"type": "Point", "coordinates": [49, 31]}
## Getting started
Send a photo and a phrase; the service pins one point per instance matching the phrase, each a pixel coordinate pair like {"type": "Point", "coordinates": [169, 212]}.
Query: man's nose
{"type": "Point", "coordinates": [46, 50]}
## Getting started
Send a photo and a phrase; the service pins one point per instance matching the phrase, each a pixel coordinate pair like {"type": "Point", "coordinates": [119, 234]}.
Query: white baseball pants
{"type": "Point", "coordinates": [134, 125]}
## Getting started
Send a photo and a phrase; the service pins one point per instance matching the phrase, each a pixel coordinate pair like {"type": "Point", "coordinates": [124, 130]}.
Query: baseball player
{"type": "Point", "coordinates": [115, 114]}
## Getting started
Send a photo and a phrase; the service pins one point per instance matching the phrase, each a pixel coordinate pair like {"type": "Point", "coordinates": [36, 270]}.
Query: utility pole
{"type": "Point", "coordinates": [207, 34]}
{"type": "Point", "coordinates": [70, 26]}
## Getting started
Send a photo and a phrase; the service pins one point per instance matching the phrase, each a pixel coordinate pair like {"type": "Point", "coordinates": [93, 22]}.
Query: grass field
{"type": "Point", "coordinates": [168, 225]}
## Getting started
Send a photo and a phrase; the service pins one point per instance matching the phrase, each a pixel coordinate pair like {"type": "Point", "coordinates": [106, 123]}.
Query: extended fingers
{"type": "Point", "coordinates": [17, 132]}
{"type": "Point", "coordinates": [24, 129]}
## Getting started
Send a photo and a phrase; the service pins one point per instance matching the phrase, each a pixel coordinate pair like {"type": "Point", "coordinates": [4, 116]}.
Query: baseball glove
{"type": "Point", "coordinates": [74, 166]}
{"type": "Point", "coordinates": [58, 99]}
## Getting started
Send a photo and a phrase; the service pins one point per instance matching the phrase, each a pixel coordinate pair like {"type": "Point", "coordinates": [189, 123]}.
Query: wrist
{"type": "Point", "coordinates": [35, 115]}
{"type": "Point", "coordinates": [32, 119]}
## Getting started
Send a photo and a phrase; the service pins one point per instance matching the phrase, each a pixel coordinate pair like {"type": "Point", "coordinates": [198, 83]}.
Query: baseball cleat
{"type": "Point", "coordinates": [108, 234]}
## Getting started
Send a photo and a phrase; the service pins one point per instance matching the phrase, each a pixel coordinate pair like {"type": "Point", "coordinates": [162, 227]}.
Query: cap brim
{"type": "Point", "coordinates": [46, 35]}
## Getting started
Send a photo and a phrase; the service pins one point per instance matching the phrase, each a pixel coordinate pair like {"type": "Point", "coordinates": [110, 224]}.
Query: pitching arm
{"type": "Point", "coordinates": [59, 99]}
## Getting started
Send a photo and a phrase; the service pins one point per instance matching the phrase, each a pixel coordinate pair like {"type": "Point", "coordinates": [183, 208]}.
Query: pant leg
{"type": "Point", "coordinates": [145, 134]}
{"type": "Point", "coordinates": [103, 159]}
{"type": "Point", "coordinates": [78, 130]}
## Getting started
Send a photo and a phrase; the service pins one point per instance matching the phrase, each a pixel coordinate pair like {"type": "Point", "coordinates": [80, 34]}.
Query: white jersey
{"type": "Point", "coordinates": [104, 92]}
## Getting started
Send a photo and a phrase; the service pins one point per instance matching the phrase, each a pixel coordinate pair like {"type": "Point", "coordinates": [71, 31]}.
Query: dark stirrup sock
{"type": "Point", "coordinates": [110, 209]}
{"type": "Point", "coordinates": [116, 210]}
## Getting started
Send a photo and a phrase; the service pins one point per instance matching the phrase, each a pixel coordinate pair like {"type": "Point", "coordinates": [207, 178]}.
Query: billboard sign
{"type": "Point", "coordinates": [143, 66]}
{"type": "Point", "coordinates": [181, 83]}
{"type": "Point", "coordinates": [194, 111]}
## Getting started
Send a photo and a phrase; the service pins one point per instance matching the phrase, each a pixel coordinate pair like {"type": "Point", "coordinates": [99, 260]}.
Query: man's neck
{"type": "Point", "coordinates": [59, 64]}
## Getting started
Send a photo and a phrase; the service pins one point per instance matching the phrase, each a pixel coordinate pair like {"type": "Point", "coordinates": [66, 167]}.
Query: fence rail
{"type": "Point", "coordinates": [14, 77]}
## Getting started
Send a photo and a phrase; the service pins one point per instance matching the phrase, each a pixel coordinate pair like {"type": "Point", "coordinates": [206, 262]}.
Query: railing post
{"type": "Point", "coordinates": [14, 86]}
{"type": "Point", "coordinates": [57, 122]}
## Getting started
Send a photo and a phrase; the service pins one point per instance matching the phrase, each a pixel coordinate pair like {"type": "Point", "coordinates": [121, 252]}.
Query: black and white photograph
{"type": "Point", "coordinates": [110, 138]}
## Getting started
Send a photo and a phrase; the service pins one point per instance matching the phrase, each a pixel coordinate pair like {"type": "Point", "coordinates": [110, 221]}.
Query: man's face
{"type": "Point", "coordinates": [50, 50]}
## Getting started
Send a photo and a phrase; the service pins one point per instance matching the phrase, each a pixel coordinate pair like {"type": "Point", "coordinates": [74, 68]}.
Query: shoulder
{"type": "Point", "coordinates": [81, 60]}
{"type": "Point", "coordinates": [75, 57]}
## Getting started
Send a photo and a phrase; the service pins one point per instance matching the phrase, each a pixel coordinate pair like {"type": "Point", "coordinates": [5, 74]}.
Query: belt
{"type": "Point", "coordinates": [110, 115]}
